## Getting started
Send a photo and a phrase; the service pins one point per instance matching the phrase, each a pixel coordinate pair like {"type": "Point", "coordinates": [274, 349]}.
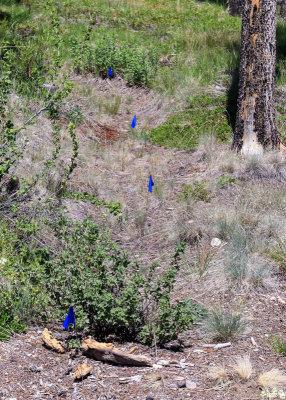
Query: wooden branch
{"type": "Point", "coordinates": [82, 371]}
{"type": "Point", "coordinates": [108, 352]}
{"type": "Point", "coordinates": [50, 342]}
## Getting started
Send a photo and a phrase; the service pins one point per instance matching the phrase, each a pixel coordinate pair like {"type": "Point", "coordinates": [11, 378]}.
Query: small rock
{"type": "Point", "coordinates": [62, 392]}
{"type": "Point", "coordinates": [35, 368]}
{"type": "Point", "coordinates": [216, 242]}
{"type": "Point", "coordinates": [150, 397]}
{"type": "Point", "coordinates": [157, 366]}
{"type": "Point", "coordinates": [174, 345]}
{"type": "Point", "coordinates": [3, 393]}
{"type": "Point", "coordinates": [135, 378]}
{"type": "Point", "coordinates": [94, 388]}
{"type": "Point", "coordinates": [181, 382]}
{"type": "Point", "coordinates": [190, 384]}
{"type": "Point", "coordinates": [165, 363]}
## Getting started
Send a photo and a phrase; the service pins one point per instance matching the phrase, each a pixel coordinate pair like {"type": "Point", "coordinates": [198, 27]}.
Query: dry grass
{"type": "Point", "coordinates": [272, 379]}
{"type": "Point", "coordinates": [218, 373]}
{"type": "Point", "coordinates": [243, 367]}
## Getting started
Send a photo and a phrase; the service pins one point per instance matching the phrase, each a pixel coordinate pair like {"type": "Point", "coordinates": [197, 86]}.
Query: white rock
{"type": "Point", "coordinates": [190, 384]}
{"type": "Point", "coordinates": [216, 242]}
{"type": "Point", "coordinates": [157, 366]}
{"type": "Point", "coordinates": [163, 362]}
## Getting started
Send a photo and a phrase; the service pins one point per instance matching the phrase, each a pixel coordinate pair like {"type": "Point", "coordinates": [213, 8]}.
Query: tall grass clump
{"type": "Point", "coordinates": [225, 326]}
{"type": "Point", "coordinates": [236, 265]}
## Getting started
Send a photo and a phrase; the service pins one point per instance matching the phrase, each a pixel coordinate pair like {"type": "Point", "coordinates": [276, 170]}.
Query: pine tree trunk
{"type": "Point", "coordinates": [235, 7]}
{"type": "Point", "coordinates": [283, 8]}
{"type": "Point", "coordinates": [255, 127]}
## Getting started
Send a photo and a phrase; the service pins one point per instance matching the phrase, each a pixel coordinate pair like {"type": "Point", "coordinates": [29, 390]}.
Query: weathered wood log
{"type": "Point", "coordinates": [82, 371]}
{"type": "Point", "coordinates": [108, 352]}
{"type": "Point", "coordinates": [50, 342]}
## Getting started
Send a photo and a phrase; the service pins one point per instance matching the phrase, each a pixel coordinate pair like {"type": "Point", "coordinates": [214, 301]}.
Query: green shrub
{"type": "Point", "coordinates": [197, 191]}
{"type": "Point", "coordinates": [137, 66]}
{"type": "Point", "coordinates": [10, 322]}
{"type": "Point", "coordinates": [109, 293]}
{"type": "Point", "coordinates": [225, 326]}
{"type": "Point", "coordinates": [226, 180]}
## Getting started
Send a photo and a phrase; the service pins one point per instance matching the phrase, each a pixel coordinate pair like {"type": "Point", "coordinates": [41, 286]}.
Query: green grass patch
{"type": "Point", "coordinates": [202, 37]}
{"type": "Point", "coordinates": [203, 115]}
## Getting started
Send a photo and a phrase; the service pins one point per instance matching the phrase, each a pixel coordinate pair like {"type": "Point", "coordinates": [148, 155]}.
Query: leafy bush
{"type": "Point", "coordinates": [137, 66]}
{"type": "Point", "coordinates": [9, 320]}
{"type": "Point", "coordinates": [226, 180]}
{"type": "Point", "coordinates": [109, 293]}
{"type": "Point", "coordinates": [225, 326]}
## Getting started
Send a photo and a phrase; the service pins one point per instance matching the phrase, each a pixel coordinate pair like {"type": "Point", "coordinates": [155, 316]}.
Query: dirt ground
{"type": "Point", "coordinates": [115, 166]}
{"type": "Point", "coordinates": [22, 355]}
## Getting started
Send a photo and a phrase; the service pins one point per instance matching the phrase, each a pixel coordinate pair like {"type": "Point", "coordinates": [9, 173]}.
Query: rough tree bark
{"type": "Point", "coordinates": [282, 8]}
{"type": "Point", "coordinates": [235, 7]}
{"type": "Point", "coordinates": [255, 127]}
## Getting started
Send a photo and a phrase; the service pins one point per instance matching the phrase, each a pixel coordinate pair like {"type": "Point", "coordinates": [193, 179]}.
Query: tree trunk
{"type": "Point", "coordinates": [255, 126]}
{"type": "Point", "coordinates": [283, 8]}
{"type": "Point", "coordinates": [235, 7]}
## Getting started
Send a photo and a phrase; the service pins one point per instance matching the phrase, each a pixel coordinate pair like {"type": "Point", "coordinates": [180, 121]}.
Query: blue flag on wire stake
{"type": "Point", "coordinates": [151, 184]}
{"type": "Point", "coordinates": [70, 319]}
{"type": "Point", "coordinates": [133, 123]}
{"type": "Point", "coordinates": [110, 72]}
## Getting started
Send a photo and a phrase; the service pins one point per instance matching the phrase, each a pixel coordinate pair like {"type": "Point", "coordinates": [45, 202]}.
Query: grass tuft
{"type": "Point", "coordinates": [218, 373]}
{"type": "Point", "coordinates": [225, 326]}
{"type": "Point", "coordinates": [272, 379]}
{"type": "Point", "coordinates": [278, 345]}
{"type": "Point", "coordinates": [243, 367]}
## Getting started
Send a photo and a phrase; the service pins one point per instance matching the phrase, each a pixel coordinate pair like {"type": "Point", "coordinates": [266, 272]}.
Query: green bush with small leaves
{"type": "Point", "coordinates": [197, 191]}
{"type": "Point", "coordinates": [137, 66]}
{"type": "Point", "coordinates": [226, 180]}
{"type": "Point", "coordinates": [110, 294]}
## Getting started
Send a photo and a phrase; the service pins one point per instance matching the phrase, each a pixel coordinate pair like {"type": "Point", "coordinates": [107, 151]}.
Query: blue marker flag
{"type": "Point", "coordinates": [133, 123]}
{"type": "Point", "coordinates": [70, 319]}
{"type": "Point", "coordinates": [151, 183]}
{"type": "Point", "coordinates": [110, 72]}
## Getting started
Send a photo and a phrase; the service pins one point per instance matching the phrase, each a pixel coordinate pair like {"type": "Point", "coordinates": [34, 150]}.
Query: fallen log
{"type": "Point", "coordinates": [50, 342]}
{"type": "Point", "coordinates": [82, 371]}
{"type": "Point", "coordinates": [108, 352]}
